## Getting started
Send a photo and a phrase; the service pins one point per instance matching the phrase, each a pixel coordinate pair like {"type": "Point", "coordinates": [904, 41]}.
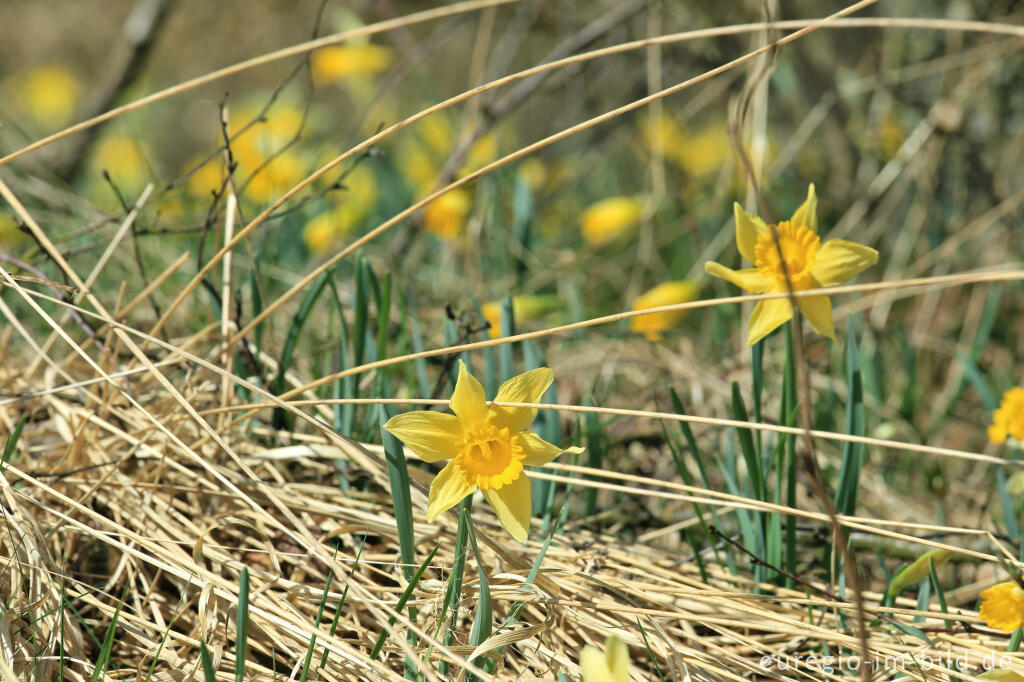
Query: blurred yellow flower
{"type": "Point", "coordinates": [524, 308]}
{"type": "Point", "coordinates": [419, 168]}
{"type": "Point", "coordinates": [446, 215]}
{"type": "Point", "coordinates": [488, 446]}
{"type": "Point", "coordinates": [610, 665]}
{"type": "Point", "coordinates": [808, 263]}
{"type": "Point", "coordinates": [705, 152]}
{"type": "Point", "coordinates": [609, 218]}
{"type": "Point", "coordinates": [10, 235]}
{"type": "Point", "coordinates": [48, 95]}
{"type": "Point", "coordinates": [206, 179]}
{"type": "Point", "coordinates": [1002, 606]}
{"type": "Point", "coordinates": [697, 154]}
{"type": "Point", "coordinates": [320, 233]}
{"type": "Point", "coordinates": [666, 293]}
{"type": "Point", "coordinates": [265, 183]}
{"type": "Point", "coordinates": [124, 159]}
{"type": "Point", "coordinates": [332, 64]}
{"type": "Point", "coordinates": [436, 132]}
{"type": "Point", "coordinates": [533, 173]}
{"type": "Point", "coordinates": [480, 153]}
{"type": "Point", "coordinates": [1008, 420]}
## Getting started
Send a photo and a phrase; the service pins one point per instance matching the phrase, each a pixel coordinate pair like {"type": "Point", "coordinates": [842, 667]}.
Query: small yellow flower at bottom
{"type": "Point", "coordinates": [488, 446]}
{"type": "Point", "coordinates": [610, 665]}
{"type": "Point", "coordinates": [666, 293]}
{"type": "Point", "coordinates": [1002, 606]}
{"type": "Point", "coordinates": [1008, 420]}
{"type": "Point", "coordinates": [805, 262]}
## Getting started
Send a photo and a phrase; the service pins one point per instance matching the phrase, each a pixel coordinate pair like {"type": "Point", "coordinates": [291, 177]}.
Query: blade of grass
{"type": "Point", "coordinates": [242, 626]}
{"type": "Point", "coordinates": [108, 640]}
{"type": "Point", "coordinates": [406, 594]}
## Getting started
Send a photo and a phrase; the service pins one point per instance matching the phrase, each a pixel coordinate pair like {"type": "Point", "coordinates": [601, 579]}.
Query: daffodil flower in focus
{"type": "Point", "coordinates": [1002, 606]}
{"type": "Point", "coordinates": [610, 665]}
{"type": "Point", "coordinates": [805, 262]}
{"type": "Point", "coordinates": [488, 446]}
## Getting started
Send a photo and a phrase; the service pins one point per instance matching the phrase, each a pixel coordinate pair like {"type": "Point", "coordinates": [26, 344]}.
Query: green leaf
{"type": "Point", "coordinates": [920, 568]}
{"type": "Point", "coordinates": [402, 601]}
{"type": "Point", "coordinates": [242, 627]}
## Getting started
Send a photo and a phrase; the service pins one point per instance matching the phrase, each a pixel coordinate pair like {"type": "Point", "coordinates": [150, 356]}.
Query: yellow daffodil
{"type": "Point", "coordinates": [610, 665]}
{"type": "Point", "coordinates": [332, 64]}
{"type": "Point", "coordinates": [10, 234]}
{"type": "Point", "coordinates": [320, 233]}
{"type": "Point", "coordinates": [1002, 606]}
{"type": "Point", "coordinates": [1001, 675]}
{"type": "Point", "coordinates": [488, 446]}
{"type": "Point", "coordinates": [697, 154]}
{"type": "Point", "coordinates": [524, 308]}
{"type": "Point", "coordinates": [48, 95]}
{"type": "Point", "coordinates": [609, 218]}
{"type": "Point", "coordinates": [666, 293]}
{"type": "Point", "coordinates": [703, 153]}
{"type": "Point", "coordinates": [1008, 420]}
{"type": "Point", "coordinates": [446, 215]}
{"type": "Point", "coordinates": [533, 173]}
{"type": "Point", "coordinates": [808, 263]}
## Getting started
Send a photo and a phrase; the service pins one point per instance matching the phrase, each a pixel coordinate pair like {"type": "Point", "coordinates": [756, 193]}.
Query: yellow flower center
{"type": "Point", "coordinates": [489, 457]}
{"type": "Point", "coordinates": [799, 249]}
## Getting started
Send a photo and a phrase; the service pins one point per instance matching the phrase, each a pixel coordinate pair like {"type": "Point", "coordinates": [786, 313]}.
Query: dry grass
{"type": "Point", "coordinates": [143, 481]}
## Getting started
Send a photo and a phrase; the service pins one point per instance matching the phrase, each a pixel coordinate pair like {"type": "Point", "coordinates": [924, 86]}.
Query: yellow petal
{"type": "Point", "coordinates": [807, 214]}
{"type": "Point", "coordinates": [1002, 607]}
{"type": "Point", "coordinates": [538, 451]}
{"type": "Point", "coordinates": [593, 665]}
{"type": "Point", "coordinates": [748, 226]}
{"type": "Point", "coordinates": [750, 279]}
{"type": "Point", "coordinates": [617, 654]}
{"type": "Point", "coordinates": [512, 505]}
{"type": "Point", "coordinates": [447, 490]}
{"type": "Point", "coordinates": [1000, 675]}
{"type": "Point", "coordinates": [767, 316]}
{"type": "Point", "coordinates": [839, 260]}
{"type": "Point", "coordinates": [468, 401]}
{"type": "Point", "coordinates": [528, 387]}
{"type": "Point", "coordinates": [818, 311]}
{"type": "Point", "coordinates": [432, 436]}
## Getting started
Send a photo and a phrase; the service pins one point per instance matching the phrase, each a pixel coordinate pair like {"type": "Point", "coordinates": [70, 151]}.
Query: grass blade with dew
{"type": "Point", "coordinates": [383, 636]}
{"type": "Point", "coordinates": [108, 640]}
